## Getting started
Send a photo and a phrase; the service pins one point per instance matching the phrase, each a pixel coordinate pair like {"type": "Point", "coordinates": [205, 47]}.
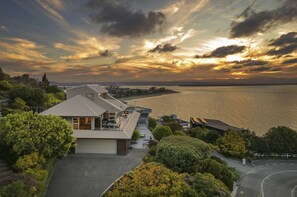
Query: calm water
{"type": "Point", "coordinates": [255, 107]}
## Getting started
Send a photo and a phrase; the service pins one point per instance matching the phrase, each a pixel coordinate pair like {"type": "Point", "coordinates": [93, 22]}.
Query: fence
{"type": "Point", "coordinates": [283, 155]}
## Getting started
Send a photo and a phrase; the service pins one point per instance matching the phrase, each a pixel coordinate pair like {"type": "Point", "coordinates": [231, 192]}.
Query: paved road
{"type": "Point", "coordinates": [269, 178]}
{"type": "Point", "coordinates": [90, 174]}
{"type": "Point", "coordinates": [140, 144]}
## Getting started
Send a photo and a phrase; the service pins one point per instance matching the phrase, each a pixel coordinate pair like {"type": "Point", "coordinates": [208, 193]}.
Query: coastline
{"type": "Point", "coordinates": [147, 96]}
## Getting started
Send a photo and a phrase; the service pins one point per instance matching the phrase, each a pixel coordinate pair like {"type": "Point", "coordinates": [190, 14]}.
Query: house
{"type": "Point", "coordinates": [100, 122]}
{"type": "Point", "coordinates": [212, 124]}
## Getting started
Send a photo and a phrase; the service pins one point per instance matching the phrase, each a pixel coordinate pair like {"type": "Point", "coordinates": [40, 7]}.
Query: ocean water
{"type": "Point", "coordinates": [254, 107]}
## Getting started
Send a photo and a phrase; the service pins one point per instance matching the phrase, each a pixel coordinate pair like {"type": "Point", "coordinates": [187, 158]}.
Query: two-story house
{"type": "Point", "coordinates": [100, 122]}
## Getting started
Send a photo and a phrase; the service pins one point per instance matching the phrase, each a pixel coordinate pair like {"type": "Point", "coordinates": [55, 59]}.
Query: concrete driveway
{"type": "Point", "coordinates": [142, 142]}
{"type": "Point", "coordinates": [90, 174]}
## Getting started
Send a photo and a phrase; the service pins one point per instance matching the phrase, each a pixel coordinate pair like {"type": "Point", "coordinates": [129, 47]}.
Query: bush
{"type": "Point", "coordinates": [29, 161]}
{"type": "Point", "coordinates": [41, 177]}
{"type": "Point", "coordinates": [17, 189]}
{"type": "Point", "coordinates": [28, 132]}
{"type": "Point", "coordinates": [205, 185]}
{"type": "Point", "coordinates": [167, 119]}
{"type": "Point", "coordinates": [174, 126]}
{"type": "Point", "coordinates": [28, 181]}
{"type": "Point", "coordinates": [232, 144]}
{"type": "Point", "coordinates": [162, 131]}
{"type": "Point", "coordinates": [136, 135]}
{"type": "Point", "coordinates": [150, 180]}
{"type": "Point", "coordinates": [204, 134]}
{"type": "Point", "coordinates": [181, 133]}
{"type": "Point", "coordinates": [181, 153]}
{"type": "Point", "coordinates": [219, 171]}
{"type": "Point", "coordinates": [152, 123]}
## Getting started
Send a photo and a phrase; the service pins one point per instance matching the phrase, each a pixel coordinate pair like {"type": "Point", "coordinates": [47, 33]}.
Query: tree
{"type": "Point", "coordinates": [232, 144]}
{"type": "Point", "coordinates": [150, 180]}
{"type": "Point", "coordinates": [19, 105]}
{"type": "Point", "coordinates": [44, 81]}
{"type": "Point", "coordinates": [181, 153]}
{"type": "Point", "coordinates": [174, 126]}
{"type": "Point", "coordinates": [162, 131]}
{"type": "Point", "coordinates": [28, 132]}
{"type": "Point", "coordinates": [167, 119]}
{"type": "Point", "coordinates": [3, 76]}
{"type": "Point", "coordinates": [5, 85]}
{"type": "Point", "coordinates": [281, 140]}
{"type": "Point", "coordinates": [152, 123]}
{"type": "Point", "coordinates": [135, 135]}
{"type": "Point", "coordinates": [205, 185]}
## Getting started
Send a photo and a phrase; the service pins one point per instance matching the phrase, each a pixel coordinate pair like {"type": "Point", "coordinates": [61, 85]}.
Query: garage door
{"type": "Point", "coordinates": [96, 146]}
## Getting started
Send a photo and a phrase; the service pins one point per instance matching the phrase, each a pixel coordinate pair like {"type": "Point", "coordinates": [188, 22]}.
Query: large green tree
{"type": "Point", "coordinates": [232, 144]}
{"type": "Point", "coordinates": [161, 132]}
{"type": "Point", "coordinates": [28, 132]}
{"type": "Point", "coordinates": [281, 140]}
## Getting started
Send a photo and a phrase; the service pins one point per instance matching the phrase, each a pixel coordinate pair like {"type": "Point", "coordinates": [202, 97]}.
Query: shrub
{"type": "Point", "coordinates": [17, 189]}
{"type": "Point", "coordinates": [152, 123]}
{"type": "Point", "coordinates": [167, 119]}
{"type": "Point", "coordinates": [162, 131]}
{"type": "Point", "coordinates": [29, 161]}
{"type": "Point", "coordinates": [232, 144]}
{"type": "Point", "coordinates": [205, 185]}
{"type": "Point", "coordinates": [29, 132]}
{"type": "Point", "coordinates": [174, 126]}
{"type": "Point", "coordinates": [136, 135]}
{"type": "Point", "coordinates": [150, 180]}
{"type": "Point", "coordinates": [153, 150]}
{"type": "Point", "coordinates": [181, 133]}
{"type": "Point", "coordinates": [219, 171]}
{"type": "Point", "coordinates": [41, 177]}
{"type": "Point", "coordinates": [28, 181]}
{"type": "Point", "coordinates": [181, 153]}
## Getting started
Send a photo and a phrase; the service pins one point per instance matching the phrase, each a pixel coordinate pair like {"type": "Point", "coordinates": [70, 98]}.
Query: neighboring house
{"type": "Point", "coordinates": [212, 124]}
{"type": "Point", "coordinates": [144, 114]}
{"type": "Point", "coordinates": [100, 122]}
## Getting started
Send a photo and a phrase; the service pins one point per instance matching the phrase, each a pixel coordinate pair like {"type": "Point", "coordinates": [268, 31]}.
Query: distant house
{"type": "Point", "coordinates": [100, 122]}
{"type": "Point", "coordinates": [212, 124]}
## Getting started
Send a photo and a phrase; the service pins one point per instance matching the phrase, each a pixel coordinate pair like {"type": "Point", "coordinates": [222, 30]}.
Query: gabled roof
{"type": "Point", "coordinates": [95, 87]}
{"type": "Point", "coordinates": [77, 106]}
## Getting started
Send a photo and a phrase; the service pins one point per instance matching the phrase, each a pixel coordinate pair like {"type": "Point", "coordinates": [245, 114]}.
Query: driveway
{"type": "Point", "coordinates": [142, 142]}
{"type": "Point", "coordinates": [90, 174]}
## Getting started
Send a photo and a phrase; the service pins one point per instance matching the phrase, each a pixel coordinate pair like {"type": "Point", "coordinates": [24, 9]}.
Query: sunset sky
{"type": "Point", "coordinates": [149, 40]}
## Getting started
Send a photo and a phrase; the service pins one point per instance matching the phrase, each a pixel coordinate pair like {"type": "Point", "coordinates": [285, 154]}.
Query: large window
{"type": "Point", "coordinates": [82, 123]}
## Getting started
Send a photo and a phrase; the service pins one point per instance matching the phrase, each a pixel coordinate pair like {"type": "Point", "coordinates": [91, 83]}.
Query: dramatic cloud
{"type": "Point", "coordinates": [117, 19]}
{"type": "Point", "coordinates": [248, 62]}
{"type": "Point", "coordinates": [283, 50]}
{"type": "Point", "coordinates": [289, 38]}
{"type": "Point", "coordinates": [223, 51]}
{"type": "Point", "coordinates": [290, 61]}
{"type": "Point", "coordinates": [254, 22]}
{"type": "Point", "coordinates": [163, 49]}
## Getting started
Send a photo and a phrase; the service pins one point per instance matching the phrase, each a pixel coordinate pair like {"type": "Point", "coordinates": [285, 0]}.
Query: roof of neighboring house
{"type": "Point", "coordinates": [217, 124]}
{"type": "Point", "coordinates": [77, 106]}
{"type": "Point", "coordinates": [95, 87]}
{"type": "Point", "coordinates": [125, 132]}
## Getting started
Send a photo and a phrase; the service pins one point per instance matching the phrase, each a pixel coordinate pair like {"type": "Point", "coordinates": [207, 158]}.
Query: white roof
{"type": "Point", "coordinates": [77, 106]}
{"type": "Point", "coordinates": [95, 87]}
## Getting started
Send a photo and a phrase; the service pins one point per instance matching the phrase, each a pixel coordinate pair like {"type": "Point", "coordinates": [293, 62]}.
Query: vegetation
{"type": "Point", "coordinates": [181, 153]}
{"type": "Point", "coordinates": [152, 123]}
{"type": "Point", "coordinates": [150, 180]}
{"type": "Point", "coordinates": [25, 93]}
{"type": "Point", "coordinates": [161, 132]}
{"type": "Point", "coordinates": [174, 126]}
{"type": "Point", "coordinates": [135, 135]}
{"type": "Point", "coordinates": [204, 134]}
{"type": "Point", "coordinates": [232, 144]}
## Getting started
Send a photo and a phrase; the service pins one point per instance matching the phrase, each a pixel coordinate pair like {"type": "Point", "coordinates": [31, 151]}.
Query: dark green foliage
{"type": "Point", "coordinates": [181, 153]}
{"type": "Point", "coordinates": [209, 136]}
{"type": "Point", "coordinates": [5, 85]}
{"type": "Point", "coordinates": [281, 140]}
{"type": "Point", "coordinates": [135, 135]}
{"type": "Point", "coordinates": [52, 89]}
{"type": "Point", "coordinates": [180, 133]}
{"type": "Point", "coordinates": [17, 189]}
{"type": "Point", "coordinates": [219, 171]}
{"type": "Point", "coordinates": [161, 132]}
{"type": "Point", "coordinates": [32, 96]}
{"type": "Point", "coordinates": [27, 180]}
{"type": "Point", "coordinates": [232, 144]}
{"type": "Point", "coordinates": [167, 119]}
{"type": "Point", "coordinates": [205, 185]}
{"type": "Point", "coordinates": [174, 126]}
{"type": "Point", "coordinates": [152, 123]}
{"type": "Point", "coordinates": [44, 81]}
{"type": "Point", "coordinates": [3, 76]}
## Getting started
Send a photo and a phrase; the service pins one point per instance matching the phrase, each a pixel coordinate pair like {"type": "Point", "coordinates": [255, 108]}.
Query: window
{"type": "Point", "coordinates": [85, 123]}
{"type": "Point", "coordinates": [111, 116]}
{"type": "Point", "coordinates": [75, 122]}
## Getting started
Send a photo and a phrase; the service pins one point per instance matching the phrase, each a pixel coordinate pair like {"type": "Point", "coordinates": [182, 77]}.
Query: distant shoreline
{"type": "Point", "coordinates": [147, 95]}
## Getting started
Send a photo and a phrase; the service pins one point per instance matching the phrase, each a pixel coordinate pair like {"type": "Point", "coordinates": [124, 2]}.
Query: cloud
{"type": "Point", "coordinates": [223, 51]}
{"type": "Point", "coordinates": [290, 61]}
{"type": "Point", "coordinates": [253, 22]}
{"type": "Point", "coordinates": [283, 50]}
{"type": "Point", "coordinates": [289, 38]}
{"type": "Point", "coordinates": [3, 28]}
{"type": "Point", "coordinates": [248, 62]}
{"type": "Point", "coordinates": [163, 49]}
{"type": "Point", "coordinates": [117, 19]}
